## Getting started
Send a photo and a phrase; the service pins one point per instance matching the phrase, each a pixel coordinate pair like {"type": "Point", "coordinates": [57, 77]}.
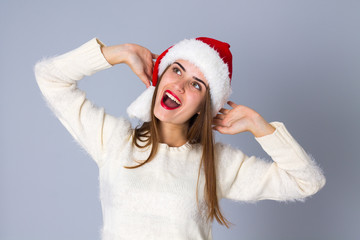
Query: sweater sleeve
{"type": "Point", "coordinates": [57, 78]}
{"type": "Point", "coordinates": [291, 175]}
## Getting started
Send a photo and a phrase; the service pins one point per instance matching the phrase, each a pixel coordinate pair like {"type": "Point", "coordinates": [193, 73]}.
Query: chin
{"type": "Point", "coordinates": [165, 118]}
{"type": "Point", "coordinates": [161, 115]}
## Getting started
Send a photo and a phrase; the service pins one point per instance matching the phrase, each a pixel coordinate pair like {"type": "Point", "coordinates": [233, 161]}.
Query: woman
{"type": "Point", "coordinates": [165, 178]}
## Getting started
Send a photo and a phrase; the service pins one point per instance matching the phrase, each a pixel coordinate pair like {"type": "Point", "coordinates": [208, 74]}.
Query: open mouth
{"type": "Point", "coordinates": [170, 101]}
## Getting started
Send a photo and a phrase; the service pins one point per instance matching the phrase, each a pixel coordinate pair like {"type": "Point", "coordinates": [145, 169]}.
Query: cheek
{"type": "Point", "coordinates": [157, 102]}
{"type": "Point", "coordinates": [157, 98]}
{"type": "Point", "coordinates": [197, 101]}
{"type": "Point", "coordinates": [199, 107]}
{"type": "Point", "coordinates": [159, 92]}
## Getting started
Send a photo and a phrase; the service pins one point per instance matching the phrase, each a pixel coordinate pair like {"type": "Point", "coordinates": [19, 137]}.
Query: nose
{"type": "Point", "coordinates": [180, 85]}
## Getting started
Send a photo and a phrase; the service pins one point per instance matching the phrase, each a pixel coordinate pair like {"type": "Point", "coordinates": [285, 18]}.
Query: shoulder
{"type": "Point", "coordinates": [225, 149]}
{"type": "Point", "coordinates": [225, 153]}
{"type": "Point", "coordinates": [120, 128]}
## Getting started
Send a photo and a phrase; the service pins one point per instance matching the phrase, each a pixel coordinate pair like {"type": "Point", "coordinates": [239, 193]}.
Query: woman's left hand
{"type": "Point", "coordinates": [241, 119]}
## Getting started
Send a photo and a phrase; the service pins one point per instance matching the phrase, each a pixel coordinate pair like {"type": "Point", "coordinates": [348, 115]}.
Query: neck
{"type": "Point", "coordinates": [172, 134]}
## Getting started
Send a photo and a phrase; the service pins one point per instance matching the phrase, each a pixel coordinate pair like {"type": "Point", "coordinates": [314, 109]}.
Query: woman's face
{"type": "Point", "coordinates": [181, 92]}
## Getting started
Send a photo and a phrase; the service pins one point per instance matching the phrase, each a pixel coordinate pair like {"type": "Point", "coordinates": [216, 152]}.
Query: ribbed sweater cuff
{"type": "Point", "coordinates": [278, 138]}
{"type": "Point", "coordinates": [84, 60]}
{"type": "Point", "coordinates": [283, 148]}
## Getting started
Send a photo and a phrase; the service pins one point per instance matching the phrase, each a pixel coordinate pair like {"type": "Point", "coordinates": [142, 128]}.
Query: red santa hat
{"type": "Point", "coordinates": [211, 56]}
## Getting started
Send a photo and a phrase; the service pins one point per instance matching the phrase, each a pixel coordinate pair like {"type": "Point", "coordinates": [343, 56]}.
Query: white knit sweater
{"type": "Point", "coordinates": [158, 200]}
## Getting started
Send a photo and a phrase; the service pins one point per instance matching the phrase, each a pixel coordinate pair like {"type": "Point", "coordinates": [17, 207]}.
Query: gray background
{"type": "Point", "coordinates": [294, 61]}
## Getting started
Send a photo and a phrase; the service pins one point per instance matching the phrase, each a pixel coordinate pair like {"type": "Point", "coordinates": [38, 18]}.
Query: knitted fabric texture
{"type": "Point", "coordinates": [158, 200]}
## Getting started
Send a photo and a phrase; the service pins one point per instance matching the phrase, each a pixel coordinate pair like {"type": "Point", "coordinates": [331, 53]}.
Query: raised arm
{"type": "Point", "coordinates": [241, 119]}
{"type": "Point", "coordinates": [138, 58]}
{"type": "Point", "coordinates": [292, 173]}
{"type": "Point", "coordinates": [57, 78]}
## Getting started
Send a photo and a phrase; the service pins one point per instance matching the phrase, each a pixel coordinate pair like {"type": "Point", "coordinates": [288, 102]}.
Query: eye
{"type": "Point", "coordinates": [196, 85]}
{"type": "Point", "coordinates": [177, 71]}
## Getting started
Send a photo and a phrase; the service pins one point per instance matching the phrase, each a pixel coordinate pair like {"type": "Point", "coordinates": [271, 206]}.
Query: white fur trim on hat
{"type": "Point", "coordinates": [210, 64]}
{"type": "Point", "coordinates": [141, 107]}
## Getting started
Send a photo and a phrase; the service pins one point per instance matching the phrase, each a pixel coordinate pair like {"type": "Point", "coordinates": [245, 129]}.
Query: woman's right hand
{"type": "Point", "coordinates": [138, 58]}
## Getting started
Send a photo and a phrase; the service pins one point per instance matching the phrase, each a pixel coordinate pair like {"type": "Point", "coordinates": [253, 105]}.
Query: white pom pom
{"type": "Point", "coordinates": [141, 107]}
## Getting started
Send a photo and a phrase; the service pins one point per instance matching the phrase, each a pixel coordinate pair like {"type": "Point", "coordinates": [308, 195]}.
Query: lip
{"type": "Point", "coordinates": [174, 95]}
{"type": "Point", "coordinates": [166, 107]}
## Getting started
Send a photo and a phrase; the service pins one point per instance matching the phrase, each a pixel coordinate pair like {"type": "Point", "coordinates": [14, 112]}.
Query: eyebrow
{"type": "Point", "coordinates": [197, 79]}
{"type": "Point", "coordinates": [200, 81]}
{"type": "Point", "coordinates": [180, 66]}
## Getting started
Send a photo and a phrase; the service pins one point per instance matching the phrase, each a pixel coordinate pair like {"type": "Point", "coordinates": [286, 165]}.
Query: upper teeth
{"type": "Point", "coordinates": [173, 98]}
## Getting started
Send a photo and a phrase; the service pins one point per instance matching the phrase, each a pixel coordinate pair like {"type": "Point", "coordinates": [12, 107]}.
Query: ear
{"type": "Point", "coordinates": [200, 107]}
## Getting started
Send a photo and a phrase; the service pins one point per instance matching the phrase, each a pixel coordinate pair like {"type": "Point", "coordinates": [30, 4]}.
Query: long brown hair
{"type": "Point", "coordinates": [200, 131]}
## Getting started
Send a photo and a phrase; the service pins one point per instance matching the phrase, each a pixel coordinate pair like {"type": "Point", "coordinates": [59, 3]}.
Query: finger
{"type": "Point", "coordinates": [147, 84]}
{"type": "Point", "coordinates": [221, 130]}
{"type": "Point", "coordinates": [149, 79]}
{"type": "Point", "coordinates": [219, 116]}
{"type": "Point", "coordinates": [150, 64]}
{"type": "Point", "coordinates": [149, 71]}
{"type": "Point", "coordinates": [145, 79]}
{"type": "Point", "coordinates": [217, 122]}
{"type": "Point", "coordinates": [221, 123]}
{"type": "Point", "coordinates": [224, 110]}
{"type": "Point", "coordinates": [215, 128]}
{"type": "Point", "coordinates": [154, 56]}
{"type": "Point", "coordinates": [232, 104]}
